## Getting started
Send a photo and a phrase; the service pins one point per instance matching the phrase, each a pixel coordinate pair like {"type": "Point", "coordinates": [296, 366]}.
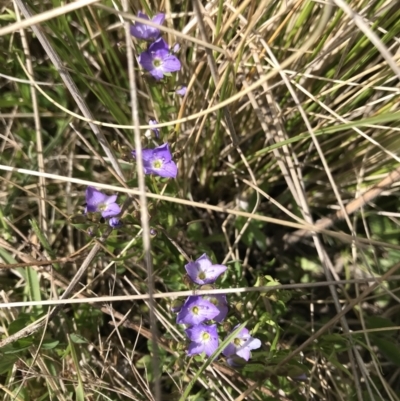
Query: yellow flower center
{"type": "Point", "coordinates": [206, 336]}
{"type": "Point", "coordinates": [157, 62]}
{"type": "Point", "coordinates": [195, 310]}
{"type": "Point", "coordinates": [237, 342]}
{"type": "Point", "coordinates": [202, 275]}
{"type": "Point", "coordinates": [157, 163]}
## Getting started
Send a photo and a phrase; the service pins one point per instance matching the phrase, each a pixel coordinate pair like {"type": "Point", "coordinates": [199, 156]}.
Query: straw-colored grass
{"type": "Point", "coordinates": [288, 169]}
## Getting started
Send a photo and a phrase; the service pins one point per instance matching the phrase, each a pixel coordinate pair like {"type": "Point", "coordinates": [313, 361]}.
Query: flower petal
{"type": "Point", "coordinates": [204, 262]}
{"type": "Point", "coordinates": [159, 18]}
{"type": "Point", "coordinates": [168, 170]}
{"type": "Point", "coordinates": [210, 346]}
{"type": "Point", "coordinates": [157, 73]}
{"type": "Point", "coordinates": [159, 45]}
{"type": "Point", "coordinates": [111, 210]}
{"type": "Point", "coordinates": [229, 350]}
{"type": "Point", "coordinates": [171, 64]}
{"type": "Point", "coordinates": [163, 152]}
{"type": "Point", "coordinates": [243, 353]}
{"type": "Point", "coordinates": [195, 348]}
{"type": "Point", "coordinates": [252, 343]}
{"type": "Point", "coordinates": [93, 199]}
{"type": "Point", "coordinates": [193, 270]}
{"type": "Point", "coordinates": [111, 199]}
{"type": "Point", "coordinates": [146, 61]}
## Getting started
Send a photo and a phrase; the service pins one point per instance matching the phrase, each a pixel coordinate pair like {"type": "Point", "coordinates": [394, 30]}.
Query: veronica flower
{"type": "Point", "coordinates": [241, 345]}
{"type": "Point", "coordinates": [158, 60]}
{"type": "Point", "coordinates": [115, 222]}
{"type": "Point", "coordinates": [196, 310]}
{"type": "Point", "coordinates": [219, 300]}
{"type": "Point", "coordinates": [204, 339]}
{"type": "Point", "coordinates": [143, 31]}
{"type": "Point", "coordinates": [181, 91]}
{"type": "Point", "coordinates": [158, 161]}
{"type": "Point", "coordinates": [202, 271]}
{"type": "Point", "coordinates": [97, 202]}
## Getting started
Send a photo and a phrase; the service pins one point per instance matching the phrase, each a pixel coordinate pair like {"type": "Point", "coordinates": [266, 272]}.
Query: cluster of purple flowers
{"type": "Point", "coordinates": [158, 59]}
{"type": "Point", "coordinates": [198, 311]}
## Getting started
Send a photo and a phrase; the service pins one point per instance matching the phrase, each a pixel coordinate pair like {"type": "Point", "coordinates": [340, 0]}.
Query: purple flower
{"type": "Point", "coordinates": [204, 339]}
{"type": "Point", "coordinates": [242, 345]}
{"type": "Point", "coordinates": [98, 202]}
{"type": "Point", "coordinates": [158, 60]}
{"type": "Point", "coordinates": [196, 310]}
{"type": "Point", "coordinates": [202, 271]}
{"type": "Point", "coordinates": [181, 91]}
{"type": "Point", "coordinates": [221, 303]}
{"type": "Point", "coordinates": [115, 222]}
{"type": "Point", "coordinates": [158, 161]}
{"type": "Point", "coordinates": [155, 130]}
{"type": "Point", "coordinates": [143, 31]}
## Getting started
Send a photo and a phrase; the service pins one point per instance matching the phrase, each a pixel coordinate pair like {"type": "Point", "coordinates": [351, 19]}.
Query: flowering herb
{"type": "Point", "coordinates": [241, 345]}
{"type": "Point", "coordinates": [97, 202]}
{"type": "Point", "coordinates": [204, 339]}
{"type": "Point", "coordinates": [202, 271]}
{"type": "Point", "coordinates": [181, 91]}
{"type": "Point", "coordinates": [143, 31]}
{"type": "Point", "coordinates": [219, 300]}
{"type": "Point", "coordinates": [158, 161]}
{"type": "Point", "coordinates": [196, 310]}
{"type": "Point", "coordinates": [158, 60]}
{"type": "Point", "coordinates": [155, 130]}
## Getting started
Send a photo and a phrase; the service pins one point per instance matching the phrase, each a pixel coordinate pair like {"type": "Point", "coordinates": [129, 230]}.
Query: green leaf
{"type": "Point", "coordinates": [50, 344]}
{"type": "Point", "coordinates": [389, 349]}
{"type": "Point", "coordinates": [7, 362]}
{"type": "Point", "coordinates": [77, 339]}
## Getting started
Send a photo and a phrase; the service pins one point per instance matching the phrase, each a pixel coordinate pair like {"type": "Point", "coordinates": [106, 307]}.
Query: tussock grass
{"type": "Point", "coordinates": [287, 145]}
